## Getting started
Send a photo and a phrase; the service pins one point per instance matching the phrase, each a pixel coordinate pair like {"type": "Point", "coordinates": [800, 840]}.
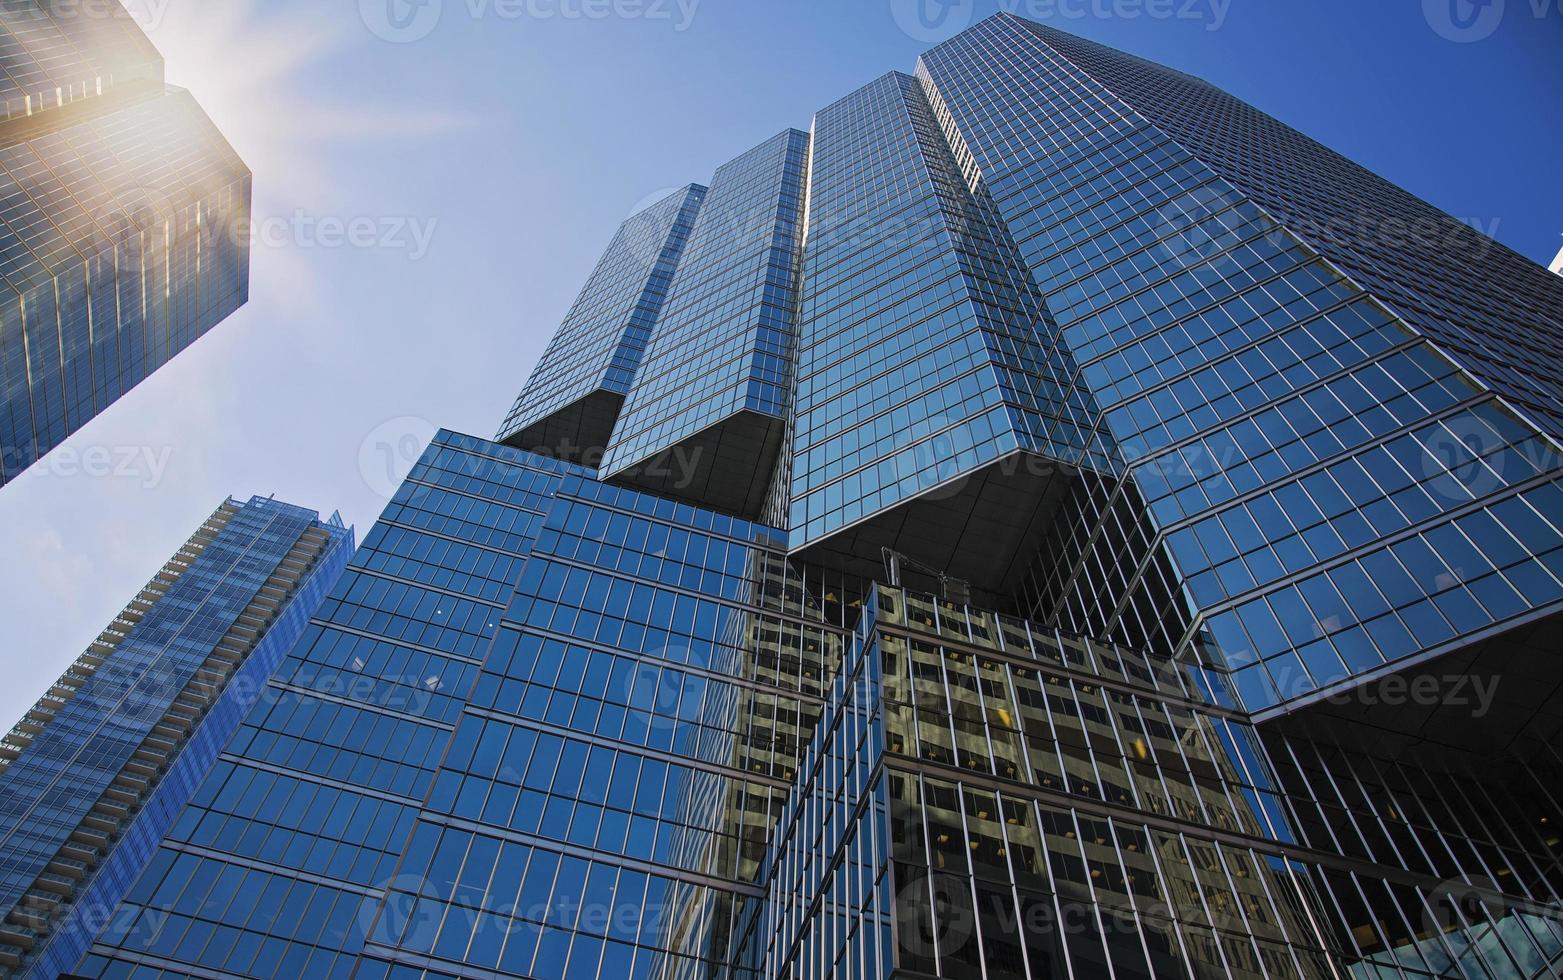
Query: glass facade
{"type": "Point", "coordinates": [94, 774]}
{"type": "Point", "coordinates": [598, 694]}
{"type": "Point", "coordinates": [986, 797]}
{"type": "Point", "coordinates": [1489, 307]}
{"type": "Point", "coordinates": [1241, 662]}
{"type": "Point", "coordinates": [925, 369]}
{"type": "Point", "coordinates": [124, 228]}
{"type": "Point", "coordinates": [1336, 484]}
{"type": "Point", "coordinates": [549, 727]}
{"type": "Point", "coordinates": [569, 406]}
{"type": "Point", "coordinates": [705, 418]}
{"type": "Point", "coordinates": [57, 54]}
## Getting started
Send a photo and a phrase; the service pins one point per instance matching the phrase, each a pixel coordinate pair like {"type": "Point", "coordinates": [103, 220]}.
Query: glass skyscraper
{"type": "Point", "coordinates": [705, 417]}
{"type": "Point", "coordinates": [1048, 519]}
{"type": "Point", "coordinates": [1338, 405]}
{"type": "Point", "coordinates": [123, 220]}
{"type": "Point", "coordinates": [95, 773]}
{"type": "Point", "coordinates": [579, 386]}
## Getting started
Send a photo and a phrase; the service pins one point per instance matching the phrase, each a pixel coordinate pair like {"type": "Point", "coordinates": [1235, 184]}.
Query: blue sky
{"type": "Point", "coordinates": [427, 207]}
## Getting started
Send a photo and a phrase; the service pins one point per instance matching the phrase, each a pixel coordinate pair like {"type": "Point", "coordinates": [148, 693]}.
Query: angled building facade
{"type": "Point", "coordinates": [932, 407]}
{"type": "Point", "coordinates": [95, 773]}
{"type": "Point", "coordinates": [569, 407]}
{"type": "Point", "coordinates": [706, 416]}
{"type": "Point", "coordinates": [123, 233]}
{"type": "Point", "coordinates": [1340, 443]}
{"type": "Point", "coordinates": [540, 720]}
{"type": "Point", "coordinates": [1038, 535]}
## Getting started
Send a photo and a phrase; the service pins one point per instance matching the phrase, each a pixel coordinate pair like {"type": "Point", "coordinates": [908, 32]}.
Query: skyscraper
{"type": "Point", "coordinates": [705, 417]}
{"type": "Point", "coordinates": [124, 223]}
{"type": "Point", "coordinates": [1339, 405]}
{"type": "Point", "coordinates": [95, 773]}
{"type": "Point", "coordinates": [568, 407]}
{"type": "Point", "coordinates": [1049, 519]}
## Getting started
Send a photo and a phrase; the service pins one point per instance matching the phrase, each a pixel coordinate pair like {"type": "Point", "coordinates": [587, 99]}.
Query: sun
{"type": "Point", "coordinates": [256, 67]}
